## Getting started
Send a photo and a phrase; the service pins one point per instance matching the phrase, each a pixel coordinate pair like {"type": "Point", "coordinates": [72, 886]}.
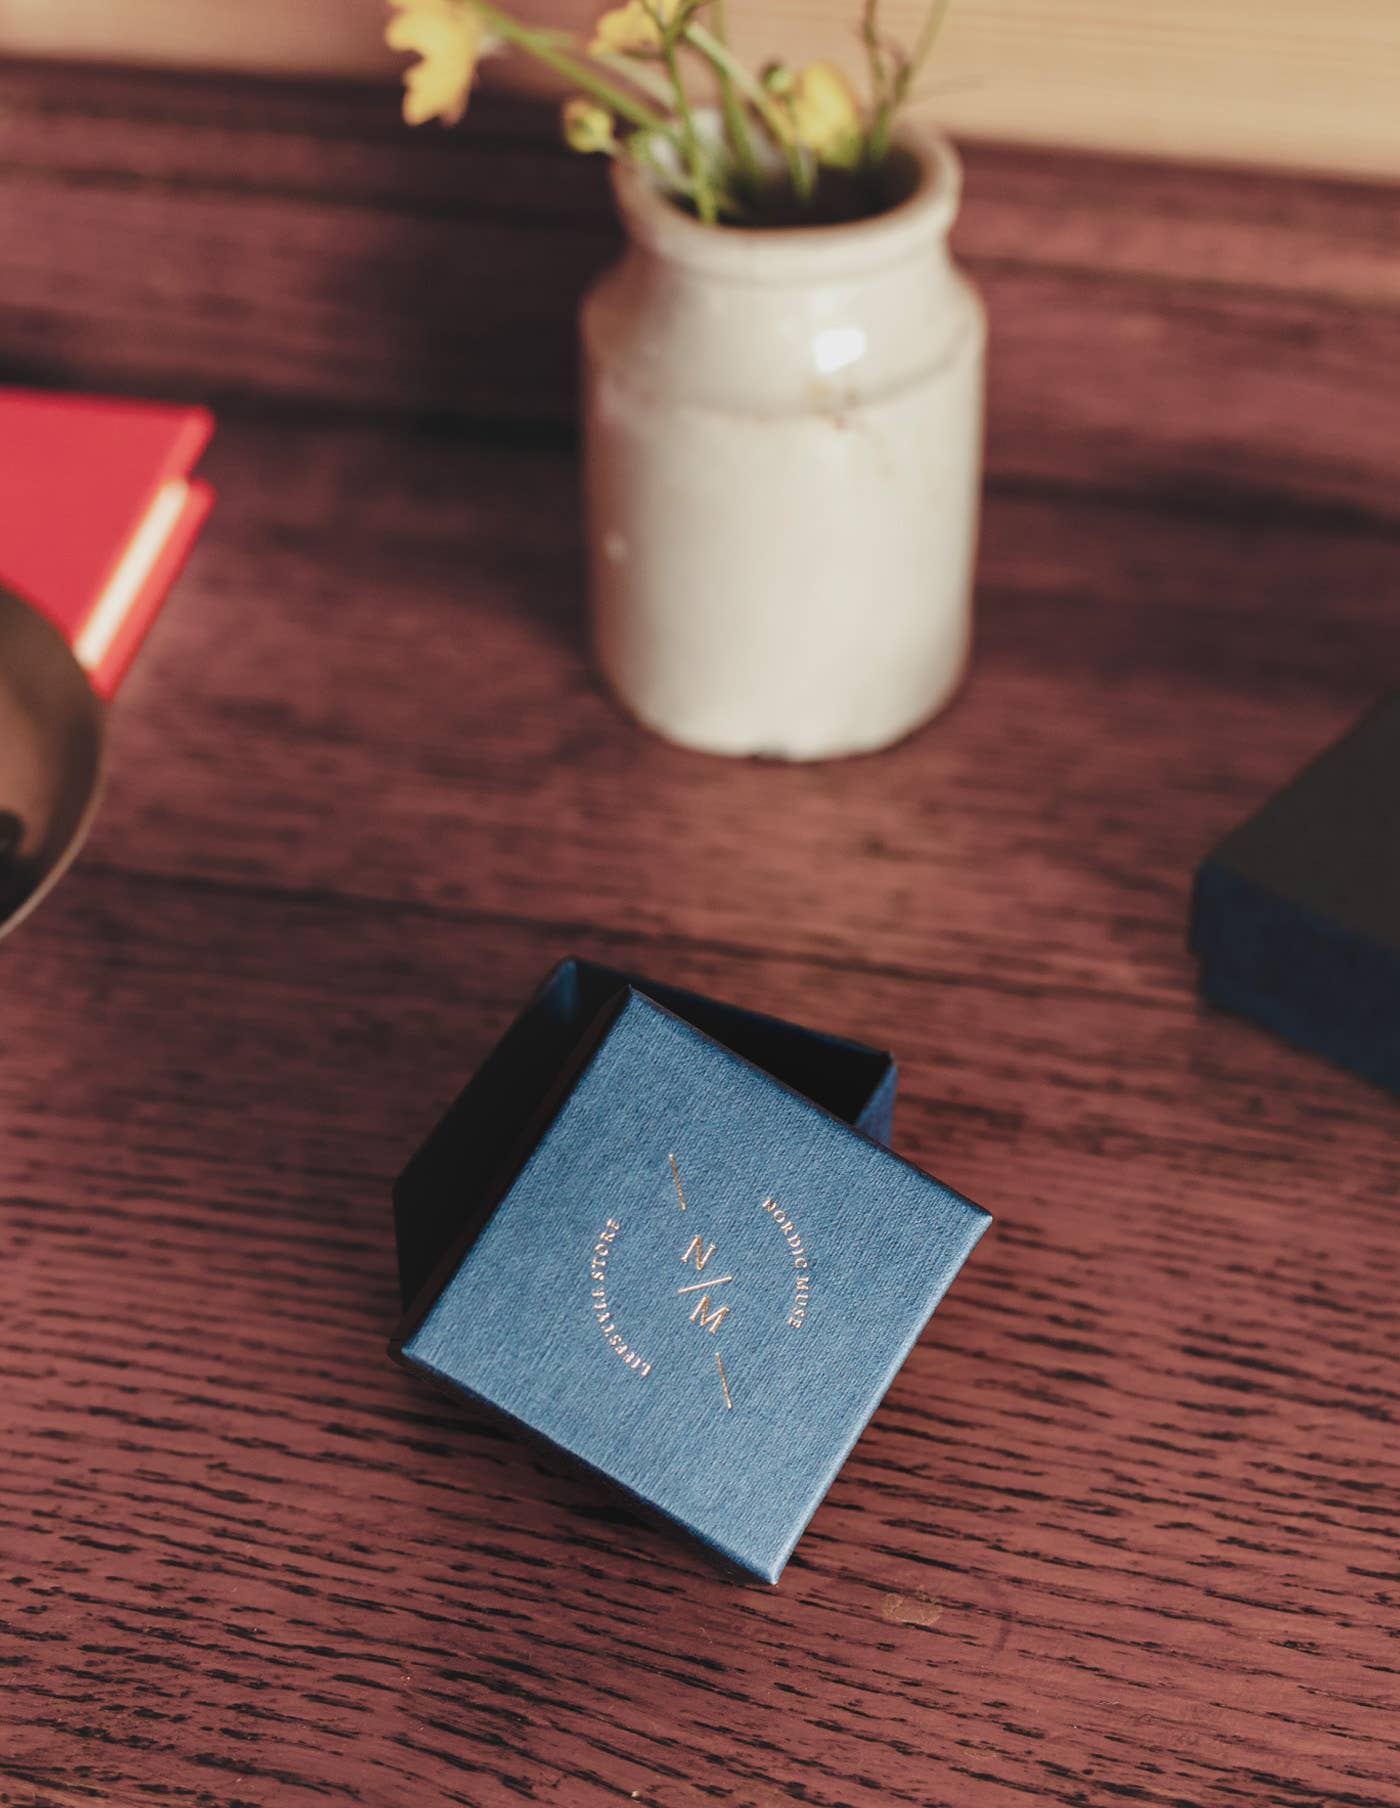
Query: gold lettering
{"type": "Point", "coordinates": [708, 1321]}
{"type": "Point", "coordinates": [598, 1299]}
{"type": "Point", "coordinates": [694, 1250]}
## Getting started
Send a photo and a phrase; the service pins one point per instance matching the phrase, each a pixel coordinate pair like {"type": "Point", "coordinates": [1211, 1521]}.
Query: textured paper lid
{"type": "Point", "coordinates": [698, 1284]}
{"type": "Point", "coordinates": [1296, 914]}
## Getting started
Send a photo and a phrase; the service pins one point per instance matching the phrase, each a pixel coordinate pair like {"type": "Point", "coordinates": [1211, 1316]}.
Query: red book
{"type": "Point", "coordinates": [97, 514]}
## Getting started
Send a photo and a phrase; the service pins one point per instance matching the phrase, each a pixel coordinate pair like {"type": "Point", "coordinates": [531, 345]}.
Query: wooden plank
{"type": "Point", "coordinates": [336, 143]}
{"type": "Point", "coordinates": [445, 579]}
{"type": "Point", "coordinates": [1157, 387]}
{"type": "Point", "coordinates": [1152, 329]}
{"type": "Point", "coordinates": [1121, 1529]}
{"type": "Point", "coordinates": [1290, 84]}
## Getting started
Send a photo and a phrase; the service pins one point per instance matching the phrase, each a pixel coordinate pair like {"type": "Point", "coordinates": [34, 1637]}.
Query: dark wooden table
{"type": "Point", "coordinates": [1125, 1529]}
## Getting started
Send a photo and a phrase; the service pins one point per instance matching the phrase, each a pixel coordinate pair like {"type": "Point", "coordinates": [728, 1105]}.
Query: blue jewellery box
{"type": "Point", "coordinates": [660, 1234]}
{"type": "Point", "coordinates": [1296, 915]}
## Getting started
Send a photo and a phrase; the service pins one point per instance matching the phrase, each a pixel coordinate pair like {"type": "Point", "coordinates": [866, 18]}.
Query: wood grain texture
{"type": "Point", "coordinates": [1154, 330]}
{"type": "Point", "coordinates": [1124, 1530]}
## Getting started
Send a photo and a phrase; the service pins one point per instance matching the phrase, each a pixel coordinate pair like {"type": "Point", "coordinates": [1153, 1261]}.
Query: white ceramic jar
{"type": "Point", "coordinates": [783, 449]}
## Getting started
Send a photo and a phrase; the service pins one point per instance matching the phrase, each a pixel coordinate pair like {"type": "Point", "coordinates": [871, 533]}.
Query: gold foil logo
{"type": "Point", "coordinates": [709, 1320]}
{"type": "Point", "coordinates": [602, 1311]}
{"type": "Point", "coordinates": [802, 1276]}
{"type": "Point", "coordinates": [707, 1316]}
{"type": "Point", "coordinates": [709, 1307]}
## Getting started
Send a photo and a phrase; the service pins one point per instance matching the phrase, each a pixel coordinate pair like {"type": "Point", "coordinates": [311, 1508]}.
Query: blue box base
{"type": "Point", "coordinates": [692, 1279]}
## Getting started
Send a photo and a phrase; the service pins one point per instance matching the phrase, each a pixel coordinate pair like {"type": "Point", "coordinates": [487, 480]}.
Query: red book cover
{"type": "Point", "coordinates": [97, 513]}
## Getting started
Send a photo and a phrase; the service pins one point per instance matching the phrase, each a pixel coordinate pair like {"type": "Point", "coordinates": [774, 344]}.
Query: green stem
{"type": "Point", "coordinates": [875, 56]}
{"type": "Point", "coordinates": [933, 24]}
{"type": "Point", "coordinates": [690, 139]}
{"type": "Point", "coordinates": [651, 82]}
{"type": "Point", "coordinates": [725, 63]}
{"type": "Point", "coordinates": [735, 120]}
{"type": "Point", "coordinates": [877, 142]}
{"type": "Point", "coordinates": [882, 126]}
{"type": "Point", "coordinates": [575, 70]}
{"type": "Point", "coordinates": [641, 149]}
{"type": "Point", "coordinates": [877, 145]}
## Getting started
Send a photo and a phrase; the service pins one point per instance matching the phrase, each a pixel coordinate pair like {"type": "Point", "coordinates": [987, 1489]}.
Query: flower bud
{"type": "Point", "coordinates": [588, 125]}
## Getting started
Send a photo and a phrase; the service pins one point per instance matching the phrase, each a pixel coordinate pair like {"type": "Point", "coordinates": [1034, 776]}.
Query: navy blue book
{"type": "Point", "coordinates": [1296, 915]}
{"type": "Point", "coordinates": [693, 1276]}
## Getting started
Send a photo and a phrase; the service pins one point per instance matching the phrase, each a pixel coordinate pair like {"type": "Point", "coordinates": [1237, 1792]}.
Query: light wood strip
{"type": "Point", "coordinates": [1288, 84]}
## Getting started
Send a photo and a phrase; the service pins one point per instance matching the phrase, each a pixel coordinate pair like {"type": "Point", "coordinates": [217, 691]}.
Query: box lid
{"type": "Point", "coordinates": [1296, 914]}
{"type": "Point", "coordinates": [698, 1283]}
{"type": "Point", "coordinates": [456, 1171]}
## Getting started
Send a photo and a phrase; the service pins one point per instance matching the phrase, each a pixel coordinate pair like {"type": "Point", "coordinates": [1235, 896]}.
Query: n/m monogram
{"type": "Point", "coordinates": [702, 1315]}
{"type": "Point", "coordinates": [708, 1317]}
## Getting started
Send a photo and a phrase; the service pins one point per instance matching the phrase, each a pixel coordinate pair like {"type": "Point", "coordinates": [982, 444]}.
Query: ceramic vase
{"type": "Point", "coordinates": [782, 460]}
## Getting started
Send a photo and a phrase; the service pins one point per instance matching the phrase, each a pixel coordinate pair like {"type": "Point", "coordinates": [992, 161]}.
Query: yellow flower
{"type": "Point", "coordinates": [825, 115]}
{"type": "Point", "coordinates": [449, 40]}
{"type": "Point", "coordinates": [633, 29]}
{"type": "Point", "coordinates": [588, 125]}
